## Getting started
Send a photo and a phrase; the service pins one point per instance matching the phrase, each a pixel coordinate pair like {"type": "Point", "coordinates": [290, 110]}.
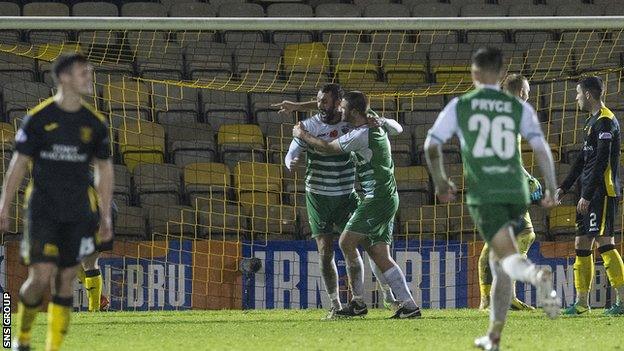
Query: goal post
{"type": "Point", "coordinates": [199, 147]}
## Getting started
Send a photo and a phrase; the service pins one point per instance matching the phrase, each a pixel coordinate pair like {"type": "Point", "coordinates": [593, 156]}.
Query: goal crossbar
{"type": "Point", "coordinates": [316, 23]}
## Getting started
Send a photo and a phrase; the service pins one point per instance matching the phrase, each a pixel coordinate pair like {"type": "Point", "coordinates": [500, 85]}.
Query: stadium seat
{"type": "Point", "coordinates": [338, 10]}
{"type": "Point", "coordinates": [402, 151]}
{"type": "Point", "coordinates": [157, 178]}
{"type": "Point", "coordinates": [126, 95]}
{"type": "Point", "coordinates": [174, 104]}
{"type": "Point", "coordinates": [9, 9]}
{"type": "Point", "coordinates": [143, 9]}
{"type": "Point", "coordinates": [547, 61]}
{"type": "Point", "coordinates": [365, 3]}
{"type": "Point", "coordinates": [413, 178]}
{"type": "Point", "coordinates": [538, 218]}
{"type": "Point", "coordinates": [219, 218]}
{"type": "Point", "coordinates": [224, 107]}
{"type": "Point", "coordinates": [424, 222]}
{"type": "Point", "coordinates": [405, 64]}
{"type": "Point", "coordinates": [436, 9]}
{"type": "Point", "coordinates": [122, 189]}
{"type": "Point", "coordinates": [95, 9]}
{"type": "Point", "coordinates": [273, 124]}
{"type": "Point", "coordinates": [562, 220]}
{"type": "Point", "coordinates": [306, 57]}
{"type": "Point", "coordinates": [578, 9]}
{"type": "Point", "coordinates": [254, 176]}
{"type": "Point", "coordinates": [171, 221]}
{"type": "Point", "coordinates": [141, 142]}
{"type": "Point", "coordinates": [7, 136]}
{"type": "Point", "coordinates": [448, 62]}
{"type": "Point", "coordinates": [279, 220]}
{"type": "Point", "coordinates": [241, 142]}
{"type": "Point", "coordinates": [241, 10]}
{"type": "Point", "coordinates": [258, 58]}
{"type": "Point", "coordinates": [190, 142]}
{"type": "Point", "coordinates": [20, 96]}
{"type": "Point", "coordinates": [130, 221]}
{"type": "Point", "coordinates": [455, 172]}
{"type": "Point", "coordinates": [160, 62]}
{"type": "Point", "coordinates": [45, 9]}
{"type": "Point", "coordinates": [206, 178]}
{"type": "Point", "coordinates": [193, 9]}
{"type": "Point", "coordinates": [16, 68]}
{"type": "Point", "coordinates": [291, 10]}
{"type": "Point", "coordinates": [379, 9]}
{"type": "Point", "coordinates": [354, 63]}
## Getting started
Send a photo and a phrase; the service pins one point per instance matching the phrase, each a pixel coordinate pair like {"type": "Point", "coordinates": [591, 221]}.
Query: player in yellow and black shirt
{"type": "Point", "coordinates": [597, 169]}
{"type": "Point", "coordinates": [60, 138]}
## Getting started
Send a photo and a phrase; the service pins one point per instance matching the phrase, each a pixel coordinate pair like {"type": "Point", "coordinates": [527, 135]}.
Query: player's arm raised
{"type": "Point", "coordinates": [287, 106]}
{"type": "Point", "coordinates": [391, 126]}
{"type": "Point", "coordinates": [443, 129]}
{"type": "Point", "coordinates": [331, 147]}
{"type": "Point", "coordinates": [531, 131]}
{"type": "Point", "coordinates": [16, 172]}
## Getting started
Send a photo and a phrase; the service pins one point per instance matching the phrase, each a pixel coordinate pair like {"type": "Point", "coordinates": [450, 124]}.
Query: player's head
{"type": "Point", "coordinates": [328, 101]}
{"type": "Point", "coordinates": [589, 92]}
{"type": "Point", "coordinates": [74, 73]}
{"type": "Point", "coordinates": [487, 66]}
{"type": "Point", "coordinates": [353, 105]}
{"type": "Point", "coordinates": [517, 85]}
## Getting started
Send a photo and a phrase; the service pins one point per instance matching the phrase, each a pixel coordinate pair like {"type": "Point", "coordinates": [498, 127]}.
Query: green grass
{"type": "Point", "coordinates": [303, 330]}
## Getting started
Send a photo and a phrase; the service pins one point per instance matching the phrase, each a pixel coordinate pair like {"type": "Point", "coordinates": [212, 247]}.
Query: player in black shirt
{"type": "Point", "coordinates": [597, 168]}
{"type": "Point", "coordinates": [60, 138]}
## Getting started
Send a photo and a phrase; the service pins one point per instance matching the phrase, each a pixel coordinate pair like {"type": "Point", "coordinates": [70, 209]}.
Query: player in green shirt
{"type": "Point", "coordinates": [488, 123]}
{"type": "Point", "coordinates": [518, 86]}
{"type": "Point", "coordinates": [371, 224]}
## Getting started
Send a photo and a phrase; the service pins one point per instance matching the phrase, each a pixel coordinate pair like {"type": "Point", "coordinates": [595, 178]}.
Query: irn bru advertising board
{"type": "Point", "coordinates": [204, 274]}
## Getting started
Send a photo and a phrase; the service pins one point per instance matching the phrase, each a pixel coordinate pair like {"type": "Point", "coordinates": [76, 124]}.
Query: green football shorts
{"type": "Point", "coordinates": [490, 218]}
{"type": "Point", "coordinates": [329, 214]}
{"type": "Point", "coordinates": [374, 217]}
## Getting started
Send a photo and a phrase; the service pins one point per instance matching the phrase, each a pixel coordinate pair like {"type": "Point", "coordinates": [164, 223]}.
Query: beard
{"type": "Point", "coordinates": [328, 116]}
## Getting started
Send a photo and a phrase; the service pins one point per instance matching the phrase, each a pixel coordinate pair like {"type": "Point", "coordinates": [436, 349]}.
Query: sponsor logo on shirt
{"type": "Point", "coordinates": [496, 169]}
{"type": "Point", "coordinates": [86, 135]}
{"type": "Point", "coordinates": [333, 133]}
{"type": "Point", "coordinates": [50, 127]}
{"type": "Point", "coordinates": [605, 136]}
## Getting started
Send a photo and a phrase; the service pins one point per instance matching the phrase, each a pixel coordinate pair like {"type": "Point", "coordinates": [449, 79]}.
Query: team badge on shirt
{"type": "Point", "coordinates": [86, 135]}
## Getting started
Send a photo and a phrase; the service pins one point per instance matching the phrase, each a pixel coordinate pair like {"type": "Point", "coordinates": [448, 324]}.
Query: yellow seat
{"type": "Point", "coordinates": [208, 173]}
{"type": "Point", "coordinates": [250, 198]}
{"type": "Point", "coordinates": [412, 178]}
{"type": "Point", "coordinates": [141, 142]}
{"type": "Point", "coordinates": [562, 219]}
{"type": "Point", "coordinates": [7, 135]}
{"type": "Point", "coordinates": [254, 176]}
{"type": "Point", "coordinates": [356, 73]}
{"type": "Point", "coordinates": [405, 73]}
{"type": "Point", "coordinates": [306, 57]}
{"type": "Point", "coordinates": [452, 74]}
{"type": "Point", "coordinates": [126, 94]}
{"type": "Point", "coordinates": [240, 134]}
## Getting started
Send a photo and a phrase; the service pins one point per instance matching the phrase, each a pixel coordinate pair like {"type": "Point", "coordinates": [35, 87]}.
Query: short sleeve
{"type": "Point", "coordinates": [529, 124]}
{"type": "Point", "coordinates": [25, 138]}
{"type": "Point", "coordinates": [445, 125]}
{"type": "Point", "coordinates": [355, 140]}
{"type": "Point", "coordinates": [102, 142]}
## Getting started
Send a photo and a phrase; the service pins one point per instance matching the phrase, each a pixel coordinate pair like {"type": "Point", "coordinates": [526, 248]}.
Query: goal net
{"type": "Point", "coordinates": [199, 152]}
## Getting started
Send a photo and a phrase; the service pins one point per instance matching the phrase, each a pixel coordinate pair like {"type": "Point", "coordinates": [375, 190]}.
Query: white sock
{"type": "Point", "coordinates": [383, 283]}
{"type": "Point", "coordinates": [500, 299]}
{"type": "Point", "coordinates": [395, 278]}
{"type": "Point", "coordinates": [355, 269]}
{"type": "Point", "coordinates": [519, 268]}
{"type": "Point", "coordinates": [329, 274]}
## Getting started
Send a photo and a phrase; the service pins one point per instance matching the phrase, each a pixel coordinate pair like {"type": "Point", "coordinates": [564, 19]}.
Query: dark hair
{"type": "Point", "coordinates": [334, 89]}
{"type": "Point", "coordinates": [593, 85]}
{"type": "Point", "coordinates": [489, 59]}
{"type": "Point", "coordinates": [513, 83]}
{"type": "Point", "coordinates": [65, 62]}
{"type": "Point", "coordinates": [357, 101]}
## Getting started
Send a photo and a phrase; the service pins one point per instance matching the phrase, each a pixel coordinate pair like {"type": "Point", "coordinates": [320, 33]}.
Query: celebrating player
{"type": "Point", "coordinates": [488, 123]}
{"type": "Point", "coordinates": [371, 224]}
{"type": "Point", "coordinates": [600, 188]}
{"type": "Point", "coordinates": [518, 86]}
{"type": "Point", "coordinates": [330, 180]}
{"type": "Point", "coordinates": [62, 136]}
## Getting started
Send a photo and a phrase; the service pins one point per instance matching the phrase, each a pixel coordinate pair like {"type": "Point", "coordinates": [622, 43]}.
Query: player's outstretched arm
{"type": "Point", "coordinates": [287, 106]}
{"type": "Point", "coordinates": [391, 126]}
{"type": "Point", "coordinates": [332, 147]}
{"type": "Point", "coordinates": [547, 166]}
{"type": "Point", "coordinates": [294, 151]}
{"type": "Point", "coordinates": [104, 179]}
{"type": "Point", "coordinates": [14, 176]}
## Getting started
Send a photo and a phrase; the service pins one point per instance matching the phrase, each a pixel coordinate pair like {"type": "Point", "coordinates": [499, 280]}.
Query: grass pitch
{"type": "Point", "coordinates": [303, 330]}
